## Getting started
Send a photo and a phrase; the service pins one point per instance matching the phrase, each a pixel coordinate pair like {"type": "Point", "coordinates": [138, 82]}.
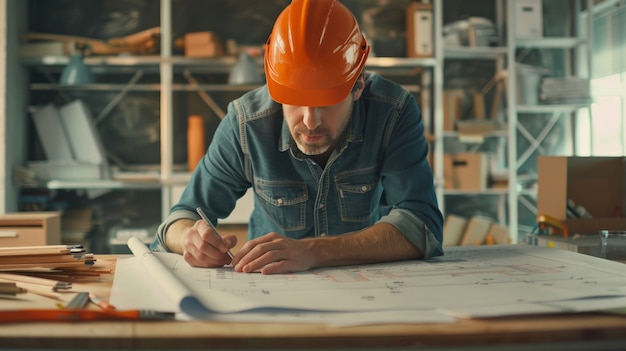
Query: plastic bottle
{"type": "Point", "coordinates": [196, 146]}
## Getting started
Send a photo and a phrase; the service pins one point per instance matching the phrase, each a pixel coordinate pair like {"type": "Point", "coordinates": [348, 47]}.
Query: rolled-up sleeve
{"type": "Point", "coordinates": [415, 231]}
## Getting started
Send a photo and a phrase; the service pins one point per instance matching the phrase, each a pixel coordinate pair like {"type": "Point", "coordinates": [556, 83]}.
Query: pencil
{"type": "Point", "coordinates": [40, 290]}
{"type": "Point", "coordinates": [11, 289]}
{"type": "Point", "coordinates": [207, 221]}
{"type": "Point", "coordinates": [40, 250]}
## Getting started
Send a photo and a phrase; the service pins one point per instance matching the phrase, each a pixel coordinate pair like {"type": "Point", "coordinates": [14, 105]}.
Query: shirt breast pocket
{"type": "Point", "coordinates": [358, 194]}
{"type": "Point", "coordinates": [284, 202]}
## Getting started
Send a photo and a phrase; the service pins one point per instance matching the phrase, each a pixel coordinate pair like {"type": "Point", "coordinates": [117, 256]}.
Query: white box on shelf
{"type": "Point", "coordinates": [528, 19]}
{"type": "Point", "coordinates": [52, 133]}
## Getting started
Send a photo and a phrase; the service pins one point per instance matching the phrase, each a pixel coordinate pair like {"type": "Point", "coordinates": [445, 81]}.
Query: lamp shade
{"type": "Point", "coordinates": [245, 71]}
{"type": "Point", "coordinates": [76, 72]}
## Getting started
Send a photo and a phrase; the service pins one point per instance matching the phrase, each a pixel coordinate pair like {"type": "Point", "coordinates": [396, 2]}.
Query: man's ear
{"type": "Point", "coordinates": [358, 87]}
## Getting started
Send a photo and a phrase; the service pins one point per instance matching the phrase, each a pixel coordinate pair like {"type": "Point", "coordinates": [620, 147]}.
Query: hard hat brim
{"type": "Point", "coordinates": [308, 97]}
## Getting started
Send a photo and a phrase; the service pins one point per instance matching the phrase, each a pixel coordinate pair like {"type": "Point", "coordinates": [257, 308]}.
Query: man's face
{"type": "Point", "coordinates": [317, 130]}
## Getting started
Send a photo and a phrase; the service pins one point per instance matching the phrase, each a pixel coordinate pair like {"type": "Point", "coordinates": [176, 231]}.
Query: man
{"type": "Point", "coordinates": [336, 157]}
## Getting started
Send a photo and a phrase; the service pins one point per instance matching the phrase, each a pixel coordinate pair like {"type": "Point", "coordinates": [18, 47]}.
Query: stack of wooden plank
{"type": "Point", "coordinates": [49, 269]}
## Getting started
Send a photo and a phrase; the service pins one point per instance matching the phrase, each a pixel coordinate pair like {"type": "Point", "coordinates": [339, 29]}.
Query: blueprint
{"type": "Point", "coordinates": [467, 281]}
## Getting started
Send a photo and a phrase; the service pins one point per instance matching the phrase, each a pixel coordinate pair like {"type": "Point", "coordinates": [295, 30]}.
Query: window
{"type": "Point", "coordinates": [603, 133]}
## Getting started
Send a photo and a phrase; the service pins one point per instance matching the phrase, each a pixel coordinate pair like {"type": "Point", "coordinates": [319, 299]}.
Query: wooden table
{"type": "Point", "coordinates": [564, 331]}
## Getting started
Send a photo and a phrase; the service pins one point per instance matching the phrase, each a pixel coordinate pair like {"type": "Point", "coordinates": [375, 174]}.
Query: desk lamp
{"type": "Point", "coordinates": [76, 72]}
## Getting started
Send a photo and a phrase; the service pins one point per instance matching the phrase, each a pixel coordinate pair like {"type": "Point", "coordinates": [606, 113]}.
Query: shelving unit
{"type": "Point", "coordinates": [577, 48]}
{"type": "Point", "coordinates": [504, 57]}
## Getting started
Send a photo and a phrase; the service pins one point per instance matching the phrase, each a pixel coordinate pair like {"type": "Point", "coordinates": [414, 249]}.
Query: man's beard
{"type": "Point", "coordinates": [316, 148]}
{"type": "Point", "coordinates": [322, 145]}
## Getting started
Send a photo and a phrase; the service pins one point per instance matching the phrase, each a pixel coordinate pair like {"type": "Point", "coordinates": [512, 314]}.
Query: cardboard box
{"type": "Point", "coordinates": [466, 171]}
{"type": "Point", "coordinates": [419, 30]}
{"type": "Point", "coordinates": [596, 183]}
{"type": "Point", "coordinates": [476, 231]}
{"type": "Point", "coordinates": [453, 230]}
{"type": "Point", "coordinates": [203, 44]}
{"type": "Point", "coordinates": [528, 19]}
{"type": "Point", "coordinates": [498, 235]}
{"type": "Point", "coordinates": [30, 229]}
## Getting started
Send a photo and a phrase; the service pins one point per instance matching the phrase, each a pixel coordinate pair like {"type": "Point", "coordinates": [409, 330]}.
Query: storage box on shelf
{"type": "Point", "coordinates": [419, 29]}
{"type": "Point", "coordinates": [466, 171]}
{"type": "Point", "coordinates": [529, 18]}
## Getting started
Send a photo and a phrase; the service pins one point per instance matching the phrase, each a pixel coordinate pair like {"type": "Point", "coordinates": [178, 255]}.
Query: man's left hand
{"type": "Point", "coordinates": [274, 253]}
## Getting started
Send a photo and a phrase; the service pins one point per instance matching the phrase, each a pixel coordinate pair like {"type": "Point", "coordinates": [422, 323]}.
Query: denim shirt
{"type": "Point", "coordinates": [379, 173]}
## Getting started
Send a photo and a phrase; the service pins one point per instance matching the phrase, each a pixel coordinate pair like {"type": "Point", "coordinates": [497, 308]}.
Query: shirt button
{"type": "Point", "coordinates": [279, 201]}
{"type": "Point", "coordinates": [321, 206]}
{"type": "Point", "coordinates": [364, 188]}
{"type": "Point", "coordinates": [323, 234]}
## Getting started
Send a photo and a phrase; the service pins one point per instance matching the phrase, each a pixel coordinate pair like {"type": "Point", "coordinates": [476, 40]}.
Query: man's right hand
{"type": "Point", "coordinates": [198, 244]}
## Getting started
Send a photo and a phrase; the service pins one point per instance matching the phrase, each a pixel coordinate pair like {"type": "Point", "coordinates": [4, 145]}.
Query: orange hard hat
{"type": "Point", "coordinates": [314, 54]}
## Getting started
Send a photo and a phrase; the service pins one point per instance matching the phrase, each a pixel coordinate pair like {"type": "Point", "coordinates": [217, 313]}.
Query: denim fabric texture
{"type": "Point", "coordinates": [379, 173]}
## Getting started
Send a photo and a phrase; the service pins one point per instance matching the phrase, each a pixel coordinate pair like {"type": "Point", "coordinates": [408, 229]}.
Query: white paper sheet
{"type": "Point", "coordinates": [466, 282]}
